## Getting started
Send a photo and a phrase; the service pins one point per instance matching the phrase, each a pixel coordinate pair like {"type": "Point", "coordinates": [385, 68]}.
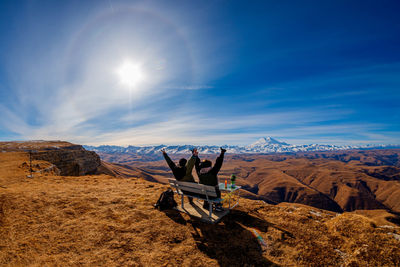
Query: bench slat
{"type": "Point", "coordinates": [195, 188]}
{"type": "Point", "coordinates": [198, 188]}
{"type": "Point", "coordinates": [197, 191]}
{"type": "Point", "coordinates": [192, 190]}
{"type": "Point", "coordinates": [202, 188]}
{"type": "Point", "coordinates": [208, 188]}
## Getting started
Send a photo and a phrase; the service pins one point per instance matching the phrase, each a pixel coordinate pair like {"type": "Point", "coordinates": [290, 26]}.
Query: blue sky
{"type": "Point", "coordinates": [200, 72]}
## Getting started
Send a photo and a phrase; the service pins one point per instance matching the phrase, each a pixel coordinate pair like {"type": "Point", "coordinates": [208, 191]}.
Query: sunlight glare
{"type": "Point", "coordinates": [130, 74]}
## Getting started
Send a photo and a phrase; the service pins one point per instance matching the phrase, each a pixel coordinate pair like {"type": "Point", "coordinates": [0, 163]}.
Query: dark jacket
{"type": "Point", "coordinates": [208, 176]}
{"type": "Point", "coordinates": [182, 173]}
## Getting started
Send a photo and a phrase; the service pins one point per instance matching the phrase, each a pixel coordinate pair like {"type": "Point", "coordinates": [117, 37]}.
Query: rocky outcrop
{"type": "Point", "coordinates": [66, 159]}
{"type": "Point", "coordinates": [71, 160]}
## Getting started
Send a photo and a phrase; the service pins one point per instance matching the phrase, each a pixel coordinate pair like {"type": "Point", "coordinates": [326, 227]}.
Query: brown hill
{"type": "Point", "coordinates": [69, 159]}
{"type": "Point", "coordinates": [107, 221]}
{"type": "Point", "coordinates": [333, 181]}
{"type": "Point", "coordinates": [376, 157]}
{"type": "Point", "coordinates": [349, 184]}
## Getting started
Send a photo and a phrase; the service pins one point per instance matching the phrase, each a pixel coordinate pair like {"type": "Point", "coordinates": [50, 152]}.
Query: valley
{"type": "Point", "coordinates": [337, 181]}
{"type": "Point", "coordinates": [105, 217]}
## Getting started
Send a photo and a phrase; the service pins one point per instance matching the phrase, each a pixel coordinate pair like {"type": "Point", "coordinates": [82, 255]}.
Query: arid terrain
{"type": "Point", "coordinates": [336, 181]}
{"type": "Point", "coordinates": [107, 220]}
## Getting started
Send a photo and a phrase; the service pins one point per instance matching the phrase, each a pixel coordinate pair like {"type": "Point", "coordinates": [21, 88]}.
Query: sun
{"type": "Point", "coordinates": [130, 74]}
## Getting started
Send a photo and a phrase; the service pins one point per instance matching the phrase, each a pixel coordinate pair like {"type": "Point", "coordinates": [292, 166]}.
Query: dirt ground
{"type": "Point", "coordinates": [100, 220]}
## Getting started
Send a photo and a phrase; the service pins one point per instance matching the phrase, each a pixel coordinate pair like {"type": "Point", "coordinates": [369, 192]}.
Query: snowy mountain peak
{"type": "Point", "coordinates": [262, 145]}
{"type": "Point", "coordinates": [265, 141]}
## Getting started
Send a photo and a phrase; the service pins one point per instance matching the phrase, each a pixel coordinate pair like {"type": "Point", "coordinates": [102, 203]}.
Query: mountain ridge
{"type": "Point", "coordinates": [262, 145]}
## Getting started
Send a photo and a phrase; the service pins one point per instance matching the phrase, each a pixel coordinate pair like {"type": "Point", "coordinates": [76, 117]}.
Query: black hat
{"type": "Point", "coordinates": [205, 164]}
{"type": "Point", "coordinates": [182, 162]}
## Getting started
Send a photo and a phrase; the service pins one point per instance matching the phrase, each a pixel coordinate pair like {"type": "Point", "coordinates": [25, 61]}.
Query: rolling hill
{"type": "Point", "coordinates": [337, 181]}
{"type": "Point", "coordinates": [107, 220]}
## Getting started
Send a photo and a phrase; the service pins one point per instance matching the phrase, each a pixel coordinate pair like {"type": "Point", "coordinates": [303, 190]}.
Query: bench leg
{"type": "Point", "coordinates": [210, 209]}
{"type": "Point", "coordinates": [182, 201]}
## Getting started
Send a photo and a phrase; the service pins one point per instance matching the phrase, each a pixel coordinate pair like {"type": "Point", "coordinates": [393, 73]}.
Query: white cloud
{"type": "Point", "coordinates": [190, 87]}
{"type": "Point", "coordinates": [67, 107]}
{"type": "Point", "coordinates": [195, 129]}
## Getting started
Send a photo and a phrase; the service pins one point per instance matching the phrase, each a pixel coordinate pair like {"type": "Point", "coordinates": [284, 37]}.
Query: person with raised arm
{"type": "Point", "coordinates": [208, 174]}
{"type": "Point", "coordinates": [182, 172]}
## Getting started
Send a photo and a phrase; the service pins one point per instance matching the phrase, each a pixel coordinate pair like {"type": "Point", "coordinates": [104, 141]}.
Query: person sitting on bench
{"type": "Point", "coordinates": [183, 172]}
{"type": "Point", "coordinates": [208, 174]}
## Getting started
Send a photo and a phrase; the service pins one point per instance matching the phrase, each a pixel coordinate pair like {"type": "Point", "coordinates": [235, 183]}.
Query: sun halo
{"type": "Point", "coordinates": [130, 74]}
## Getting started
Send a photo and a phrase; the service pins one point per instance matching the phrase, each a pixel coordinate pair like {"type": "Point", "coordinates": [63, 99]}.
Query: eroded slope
{"type": "Point", "coordinates": [106, 221]}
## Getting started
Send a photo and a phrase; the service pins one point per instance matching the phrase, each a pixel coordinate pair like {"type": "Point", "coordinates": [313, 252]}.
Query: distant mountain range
{"type": "Point", "coordinates": [262, 145]}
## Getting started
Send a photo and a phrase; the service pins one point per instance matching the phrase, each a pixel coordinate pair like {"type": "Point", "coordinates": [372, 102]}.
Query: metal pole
{"type": "Point", "coordinates": [30, 163]}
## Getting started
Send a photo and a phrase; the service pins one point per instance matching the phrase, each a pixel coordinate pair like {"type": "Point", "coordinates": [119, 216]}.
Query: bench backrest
{"type": "Point", "coordinates": [196, 188]}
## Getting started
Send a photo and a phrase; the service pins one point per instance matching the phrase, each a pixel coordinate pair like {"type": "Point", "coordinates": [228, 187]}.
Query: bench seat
{"type": "Point", "coordinates": [195, 190]}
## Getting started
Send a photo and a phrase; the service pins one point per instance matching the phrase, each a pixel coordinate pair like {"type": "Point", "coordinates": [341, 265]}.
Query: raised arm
{"type": "Point", "coordinates": [171, 164]}
{"type": "Point", "coordinates": [197, 164]}
{"type": "Point", "coordinates": [218, 162]}
{"type": "Point", "coordinates": [191, 162]}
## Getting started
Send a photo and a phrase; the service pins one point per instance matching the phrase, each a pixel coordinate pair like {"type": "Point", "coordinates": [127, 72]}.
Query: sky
{"type": "Point", "coordinates": [200, 72]}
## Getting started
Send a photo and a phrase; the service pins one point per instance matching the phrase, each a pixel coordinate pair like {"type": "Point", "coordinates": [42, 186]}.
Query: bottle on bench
{"type": "Point", "coordinates": [233, 179]}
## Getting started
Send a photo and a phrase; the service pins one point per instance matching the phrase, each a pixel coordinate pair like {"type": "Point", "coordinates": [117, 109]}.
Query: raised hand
{"type": "Point", "coordinates": [163, 151]}
{"type": "Point", "coordinates": [222, 150]}
{"type": "Point", "coordinates": [195, 152]}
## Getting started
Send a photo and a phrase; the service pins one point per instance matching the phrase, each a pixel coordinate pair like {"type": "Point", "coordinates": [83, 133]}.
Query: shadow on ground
{"type": "Point", "coordinates": [176, 216]}
{"type": "Point", "coordinates": [230, 242]}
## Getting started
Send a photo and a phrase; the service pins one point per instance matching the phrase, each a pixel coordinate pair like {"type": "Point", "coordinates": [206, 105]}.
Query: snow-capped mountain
{"type": "Point", "coordinates": [268, 144]}
{"type": "Point", "coordinates": [267, 141]}
{"type": "Point", "coordinates": [262, 145]}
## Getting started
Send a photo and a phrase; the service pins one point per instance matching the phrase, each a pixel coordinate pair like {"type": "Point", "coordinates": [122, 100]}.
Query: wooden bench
{"type": "Point", "coordinates": [199, 191]}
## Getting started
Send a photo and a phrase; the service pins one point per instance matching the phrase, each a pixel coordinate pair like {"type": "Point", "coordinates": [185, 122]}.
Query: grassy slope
{"type": "Point", "coordinates": [103, 220]}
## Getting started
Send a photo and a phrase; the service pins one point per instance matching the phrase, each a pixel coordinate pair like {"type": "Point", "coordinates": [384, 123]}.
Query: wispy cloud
{"type": "Point", "coordinates": [190, 87]}
{"type": "Point", "coordinates": [195, 129]}
{"type": "Point", "coordinates": [146, 126]}
{"type": "Point", "coordinates": [228, 91]}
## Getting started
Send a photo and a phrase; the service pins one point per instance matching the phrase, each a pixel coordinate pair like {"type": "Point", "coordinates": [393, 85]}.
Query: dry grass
{"type": "Point", "coordinates": [107, 221]}
{"type": "Point", "coordinates": [312, 180]}
{"type": "Point", "coordinates": [32, 145]}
